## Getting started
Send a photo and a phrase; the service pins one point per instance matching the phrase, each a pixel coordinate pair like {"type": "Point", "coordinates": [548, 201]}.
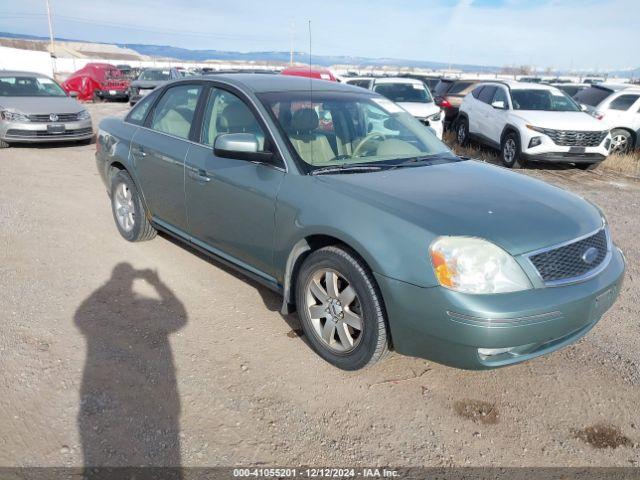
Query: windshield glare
{"type": "Point", "coordinates": [547, 100]}
{"type": "Point", "coordinates": [154, 75]}
{"type": "Point", "coordinates": [404, 92]}
{"type": "Point", "coordinates": [29, 87]}
{"type": "Point", "coordinates": [340, 129]}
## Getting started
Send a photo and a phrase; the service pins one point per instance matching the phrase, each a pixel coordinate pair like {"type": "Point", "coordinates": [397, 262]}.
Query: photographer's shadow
{"type": "Point", "coordinates": [129, 402]}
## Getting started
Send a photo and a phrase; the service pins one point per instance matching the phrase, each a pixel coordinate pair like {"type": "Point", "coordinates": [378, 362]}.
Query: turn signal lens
{"type": "Point", "coordinates": [443, 273]}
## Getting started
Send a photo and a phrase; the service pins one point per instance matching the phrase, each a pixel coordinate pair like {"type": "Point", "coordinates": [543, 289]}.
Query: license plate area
{"type": "Point", "coordinates": [604, 301]}
{"type": "Point", "coordinates": [577, 150]}
{"type": "Point", "coordinates": [56, 128]}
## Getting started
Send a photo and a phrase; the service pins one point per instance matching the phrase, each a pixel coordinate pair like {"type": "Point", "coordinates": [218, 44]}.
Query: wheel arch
{"type": "Point", "coordinates": [117, 166]}
{"type": "Point", "coordinates": [510, 128]}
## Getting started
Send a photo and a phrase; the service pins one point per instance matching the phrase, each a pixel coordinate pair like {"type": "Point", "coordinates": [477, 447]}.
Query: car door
{"type": "Point", "coordinates": [483, 112]}
{"type": "Point", "coordinates": [469, 106]}
{"type": "Point", "coordinates": [158, 151]}
{"type": "Point", "coordinates": [496, 116]}
{"type": "Point", "coordinates": [231, 203]}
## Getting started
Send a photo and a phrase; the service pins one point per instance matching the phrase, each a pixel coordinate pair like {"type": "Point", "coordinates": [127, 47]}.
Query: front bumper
{"type": "Point", "coordinates": [449, 327]}
{"type": "Point", "coordinates": [549, 151]}
{"type": "Point", "coordinates": [35, 132]}
{"type": "Point", "coordinates": [113, 94]}
{"type": "Point", "coordinates": [568, 157]}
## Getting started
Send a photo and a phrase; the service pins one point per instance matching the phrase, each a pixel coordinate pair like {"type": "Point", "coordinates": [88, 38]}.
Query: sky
{"type": "Point", "coordinates": [557, 34]}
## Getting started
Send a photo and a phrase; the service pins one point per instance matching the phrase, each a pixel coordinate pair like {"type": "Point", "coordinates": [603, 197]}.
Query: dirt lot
{"type": "Point", "coordinates": [94, 366]}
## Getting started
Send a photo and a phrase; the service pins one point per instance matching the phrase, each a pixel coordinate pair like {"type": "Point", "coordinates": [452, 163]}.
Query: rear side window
{"type": "Point", "coordinates": [174, 112]}
{"type": "Point", "coordinates": [623, 102]}
{"type": "Point", "coordinates": [360, 83]}
{"type": "Point", "coordinates": [487, 94]}
{"type": "Point", "coordinates": [592, 96]}
{"type": "Point", "coordinates": [476, 91]}
{"type": "Point", "coordinates": [442, 87]}
{"type": "Point", "coordinates": [459, 87]}
{"type": "Point", "coordinates": [139, 112]}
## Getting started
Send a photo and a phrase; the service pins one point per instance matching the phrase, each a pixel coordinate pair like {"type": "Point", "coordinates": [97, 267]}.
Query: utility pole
{"type": "Point", "coordinates": [52, 43]}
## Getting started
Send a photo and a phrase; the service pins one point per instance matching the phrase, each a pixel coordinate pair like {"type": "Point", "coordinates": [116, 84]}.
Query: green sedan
{"type": "Point", "coordinates": [367, 225]}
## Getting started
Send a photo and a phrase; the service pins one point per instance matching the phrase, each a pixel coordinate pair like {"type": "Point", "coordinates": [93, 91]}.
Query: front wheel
{"type": "Point", "coordinates": [620, 141]}
{"type": "Point", "coordinates": [128, 210]}
{"type": "Point", "coordinates": [510, 151]}
{"type": "Point", "coordinates": [341, 309]}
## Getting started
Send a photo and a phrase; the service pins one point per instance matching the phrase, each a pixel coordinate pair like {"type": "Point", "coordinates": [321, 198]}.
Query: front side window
{"type": "Point", "coordinates": [623, 102]}
{"type": "Point", "coordinates": [155, 75]}
{"type": "Point", "coordinates": [345, 129]}
{"type": "Point", "coordinates": [226, 113]}
{"type": "Point", "coordinates": [404, 92]}
{"type": "Point", "coordinates": [501, 96]}
{"type": "Point", "coordinates": [544, 100]}
{"type": "Point", "coordinates": [174, 112]}
{"type": "Point", "coordinates": [26, 86]}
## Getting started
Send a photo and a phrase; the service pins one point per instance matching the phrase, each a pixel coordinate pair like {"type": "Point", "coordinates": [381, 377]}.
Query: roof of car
{"type": "Point", "coordinates": [615, 87]}
{"type": "Point", "coordinates": [262, 83]}
{"type": "Point", "coordinates": [412, 81]}
{"type": "Point", "coordinates": [516, 85]}
{"type": "Point", "coordinates": [11, 73]}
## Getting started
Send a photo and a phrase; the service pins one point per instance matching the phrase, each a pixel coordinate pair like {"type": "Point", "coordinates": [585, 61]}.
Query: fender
{"type": "Point", "coordinates": [508, 127]}
{"type": "Point", "coordinates": [288, 302]}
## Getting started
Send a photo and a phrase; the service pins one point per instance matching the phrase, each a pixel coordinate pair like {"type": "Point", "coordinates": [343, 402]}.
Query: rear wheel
{"type": "Point", "coordinates": [510, 151]}
{"type": "Point", "coordinates": [128, 210]}
{"type": "Point", "coordinates": [341, 309]}
{"type": "Point", "coordinates": [621, 141]}
{"type": "Point", "coordinates": [462, 132]}
{"type": "Point", "coordinates": [4, 144]}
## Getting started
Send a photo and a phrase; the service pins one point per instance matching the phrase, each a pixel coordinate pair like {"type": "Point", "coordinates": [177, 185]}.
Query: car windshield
{"type": "Point", "coordinates": [154, 75]}
{"type": "Point", "coordinates": [29, 86]}
{"type": "Point", "coordinates": [404, 92]}
{"type": "Point", "coordinates": [546, 100]}
{"type": "Point", "coordinates": [347, 129]}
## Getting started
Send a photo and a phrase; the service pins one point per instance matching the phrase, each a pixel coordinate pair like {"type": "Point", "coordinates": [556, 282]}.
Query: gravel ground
{"type": "Point", "coordinates": [128, 354]}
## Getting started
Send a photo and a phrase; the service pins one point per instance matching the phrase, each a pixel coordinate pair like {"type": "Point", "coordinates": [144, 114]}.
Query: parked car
{"type": "Point", "coordinates": [34, 108]}
{"type": "Point", "coordinates": [318, 73]}
{"type": "Point", "coordinates": [532, 122]}
{"type": "Point", "coordinates": [414, 96]}
{"type": "Point", "coordinates": [448, 95]}
{"type": "Point", "coordinates": [429, 80]}
{"type": "Point", "coordinates": [129, 72]}
{"type": "Point", "coordinates": [618, 109]}
{"type": "Point", "coordinates": [364, 82]}
{"type": "Point", "coordinates": [376, 233]}
{"type": "Point", "coordinates": [149, 79]}
{"type": "Point", "coordinates": [570, 89]}
{"type": "Point", "coordinates": [97, 82]}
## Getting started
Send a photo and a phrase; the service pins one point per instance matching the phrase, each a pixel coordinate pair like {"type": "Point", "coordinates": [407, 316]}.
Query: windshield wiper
{"type": "Point", "coordinates": [428, 159]}
{"type": "Point", "coordinates": [344, 168]}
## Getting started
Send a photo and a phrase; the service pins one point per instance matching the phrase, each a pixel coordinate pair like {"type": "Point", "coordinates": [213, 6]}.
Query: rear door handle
{"type": "Point", "coordinates": [199, 175]}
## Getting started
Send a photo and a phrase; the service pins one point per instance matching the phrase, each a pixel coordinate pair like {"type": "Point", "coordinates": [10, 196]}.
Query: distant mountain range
{"type": "Point", "coordinates": [185, 54]}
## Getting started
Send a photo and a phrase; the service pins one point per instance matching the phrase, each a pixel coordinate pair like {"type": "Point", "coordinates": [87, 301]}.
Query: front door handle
{"type": "Point", "coordinates": [139, 151]}
{"type": "Point", "coordinates": [199, 175]}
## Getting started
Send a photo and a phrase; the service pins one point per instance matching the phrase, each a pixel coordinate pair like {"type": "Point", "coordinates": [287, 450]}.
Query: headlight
{"type": "Point", "coordinates": [84, 115]}
{"type": "Point", "coordinates": [13, 116]}
{"type": "Point", "coordinates": [535, 129]}
{"type": "Point", "coordinates": [435, 117]}
{"type": "Point", "coordinates": [473, 265]}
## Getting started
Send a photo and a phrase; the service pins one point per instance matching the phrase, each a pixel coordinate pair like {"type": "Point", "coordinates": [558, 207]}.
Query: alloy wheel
{"type": "Point", "coordinates": [462, 133]}
{"type": "Point", "coordinates": [509, 151]}
{"type": "Point", "coordinates": [124, 207]}
{"type": "Point", "coordinates": [619, 144]}
{"type": "Point", "coordinates": [334, 310]}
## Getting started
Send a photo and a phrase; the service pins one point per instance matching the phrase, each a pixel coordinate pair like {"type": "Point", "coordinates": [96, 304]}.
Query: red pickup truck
{"type": "Point", "coordinates": [98, 81]}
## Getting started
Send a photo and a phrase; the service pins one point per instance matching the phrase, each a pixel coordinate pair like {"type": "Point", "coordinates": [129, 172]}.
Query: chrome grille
{"type": "Point", "coordinates": [61, 117]}
{"type": "Point", "coordinates": [571, 261]}
{"type": "Point", "coordinates": [17, 133]}
{"type": "Point", "coordinates": [575, 138]}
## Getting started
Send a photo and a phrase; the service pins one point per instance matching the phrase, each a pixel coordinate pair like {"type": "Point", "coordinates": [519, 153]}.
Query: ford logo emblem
{"type": "Point", "coordinates": [589, 256]}
{"type": "Point", "coordinates": [53, 117]}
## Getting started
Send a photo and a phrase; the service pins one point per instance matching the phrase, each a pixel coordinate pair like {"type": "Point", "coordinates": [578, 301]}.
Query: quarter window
{"type": "Point", "coordinates": [623, 102]}
{"type": "Point", "coordinates": [174, 112]}
{"type": "Point", "coordinates": [476, 91]}
{"type": "Point", "coordinates": [487, 94]}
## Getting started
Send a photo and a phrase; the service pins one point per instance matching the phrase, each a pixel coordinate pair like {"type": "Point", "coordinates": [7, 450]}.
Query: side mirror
{"type": "Point", "coordinates": [73, 94]}
{"type": "Point", "coordinates": [240, 146]}
{"type": "Point", "coordinates": [498, 104]}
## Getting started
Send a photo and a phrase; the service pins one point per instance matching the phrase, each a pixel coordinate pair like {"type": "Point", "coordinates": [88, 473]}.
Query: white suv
{"type": "Point", "coordinates": [531, 122]}
{"type": "Point", "coordinates": [411, 94]}
{"type": "Point", "coordinates": [618, 109]}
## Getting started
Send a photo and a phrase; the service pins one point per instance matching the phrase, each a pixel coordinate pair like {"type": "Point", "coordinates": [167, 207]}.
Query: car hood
{"type": "Point", "coordinates": [420, 110]}
{"type": "Point", "coordinates": [147, 83]}
{"type": "Point", "coordinates": [470, 198]}
{"type": "Point", "coordinates": [41, 105]}
{"type": "Point", "coordinates": [560, 120]}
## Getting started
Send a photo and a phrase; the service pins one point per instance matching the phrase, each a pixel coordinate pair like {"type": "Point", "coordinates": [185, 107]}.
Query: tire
{"type": "Point", "coordinates": [587, 166]}
{"type": "Point", "coordinates": [462, 132]}
{"type": "Point", "coordinates": [371, 342]}
{"type": "Point", "coordinates": [4, 144]}
{"type": "Point", "coordinates": [621, 141]}
{"type": "Point", "coordinates": [133, 223]}
{"type": "Point", "coordinates": [510, 151]}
